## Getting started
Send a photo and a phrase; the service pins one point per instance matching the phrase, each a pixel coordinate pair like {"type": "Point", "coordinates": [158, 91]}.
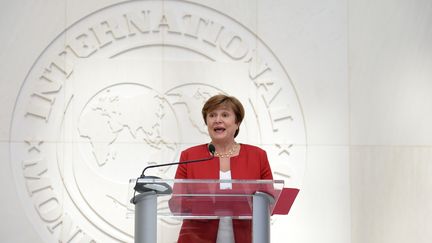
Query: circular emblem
{"type": "Point", "coordinates": [122, 89]}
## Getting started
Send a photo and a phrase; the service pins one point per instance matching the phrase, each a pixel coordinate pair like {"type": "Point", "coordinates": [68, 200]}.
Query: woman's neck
{"type": "Point", "coordinates": [223, 147]}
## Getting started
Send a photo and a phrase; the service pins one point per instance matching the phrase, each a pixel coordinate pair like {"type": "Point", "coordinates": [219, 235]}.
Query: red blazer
{"type": "Point", "coordinates": [251, 164]}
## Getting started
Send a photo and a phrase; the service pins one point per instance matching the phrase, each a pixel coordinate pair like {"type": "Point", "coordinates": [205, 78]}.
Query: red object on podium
{"type": "Point", "coordinates": [285, 201]}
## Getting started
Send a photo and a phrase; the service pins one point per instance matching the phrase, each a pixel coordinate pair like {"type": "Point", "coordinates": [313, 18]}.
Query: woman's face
{"type": "Point", "coordinates": [221, 124]}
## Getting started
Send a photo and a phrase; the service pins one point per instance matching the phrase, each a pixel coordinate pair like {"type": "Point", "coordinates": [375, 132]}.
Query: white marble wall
{"type": "Point", "coordinates": [361, 72]}
{"type": "Point", "coordinates": [390, 115]}
{"type": "Point", "coordinates": [308, 40]}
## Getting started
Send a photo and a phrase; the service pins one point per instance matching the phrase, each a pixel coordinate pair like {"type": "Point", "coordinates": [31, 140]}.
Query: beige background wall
{"type": "Point", "coordinates": [390, 60]}
{"type": "Point", "coordinates": [362, 74]}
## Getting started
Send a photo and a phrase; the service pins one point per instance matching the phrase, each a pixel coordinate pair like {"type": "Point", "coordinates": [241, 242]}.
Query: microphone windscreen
{"type": "Point", "coordinates": [211, 148]}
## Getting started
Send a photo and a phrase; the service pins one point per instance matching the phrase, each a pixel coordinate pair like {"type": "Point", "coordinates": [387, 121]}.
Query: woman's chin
{"type": "Point", "coordinates": [220, 138]}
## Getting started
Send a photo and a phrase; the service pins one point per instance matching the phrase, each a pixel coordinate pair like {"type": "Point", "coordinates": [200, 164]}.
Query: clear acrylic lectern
{"type": "Point", "coordinates": [209, 199]}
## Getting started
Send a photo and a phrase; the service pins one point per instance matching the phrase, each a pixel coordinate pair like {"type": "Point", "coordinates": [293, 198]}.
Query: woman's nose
{"type": "Point", "coordinates": [218, 119]}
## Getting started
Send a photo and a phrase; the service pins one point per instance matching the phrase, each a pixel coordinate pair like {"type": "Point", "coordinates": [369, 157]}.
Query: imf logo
{"type": "Point", "coordinates": [121, 89]}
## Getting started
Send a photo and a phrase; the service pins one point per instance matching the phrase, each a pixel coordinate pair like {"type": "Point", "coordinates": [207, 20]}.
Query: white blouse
{"type": "Point", "coordinates": [225, 231]}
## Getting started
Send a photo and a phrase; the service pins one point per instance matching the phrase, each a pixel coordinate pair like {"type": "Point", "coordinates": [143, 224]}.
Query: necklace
{"type": "Point", "coordinates": [227, 154]}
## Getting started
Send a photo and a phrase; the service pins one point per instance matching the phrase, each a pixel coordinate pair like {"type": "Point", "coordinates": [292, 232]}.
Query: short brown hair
{"type": "Point", "coordinates": [221, 100]}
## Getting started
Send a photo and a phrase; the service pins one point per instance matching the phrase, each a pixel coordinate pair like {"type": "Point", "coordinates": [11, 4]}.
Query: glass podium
{"type": "Point", "coordinates": [254, 200]}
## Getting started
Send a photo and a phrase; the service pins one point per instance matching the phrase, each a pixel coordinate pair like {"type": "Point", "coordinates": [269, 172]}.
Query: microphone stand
{"type": "Point", "coordinates": [162, 188]}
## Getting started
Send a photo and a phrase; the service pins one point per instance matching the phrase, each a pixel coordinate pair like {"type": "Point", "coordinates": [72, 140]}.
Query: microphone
{"type": "Point", "coordinates": [211, 148]}
{"type": "Point", "coordinates": [163, 187]}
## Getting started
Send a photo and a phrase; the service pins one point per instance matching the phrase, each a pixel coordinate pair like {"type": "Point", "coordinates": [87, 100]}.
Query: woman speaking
{"type": "Point", "coordinates": [232, 160]}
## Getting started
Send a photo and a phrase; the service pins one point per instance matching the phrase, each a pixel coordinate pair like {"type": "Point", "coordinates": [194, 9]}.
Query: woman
{"type": "Point", "coordinates": [223, 115]}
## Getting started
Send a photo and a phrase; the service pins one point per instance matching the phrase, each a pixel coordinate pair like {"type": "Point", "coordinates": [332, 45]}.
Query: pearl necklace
{"type": "Point", "coordinates": [227, 154]}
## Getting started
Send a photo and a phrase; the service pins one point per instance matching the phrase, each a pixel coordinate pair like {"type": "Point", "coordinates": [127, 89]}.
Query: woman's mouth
{"type": "Point", "coordinates": [219, 129]}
